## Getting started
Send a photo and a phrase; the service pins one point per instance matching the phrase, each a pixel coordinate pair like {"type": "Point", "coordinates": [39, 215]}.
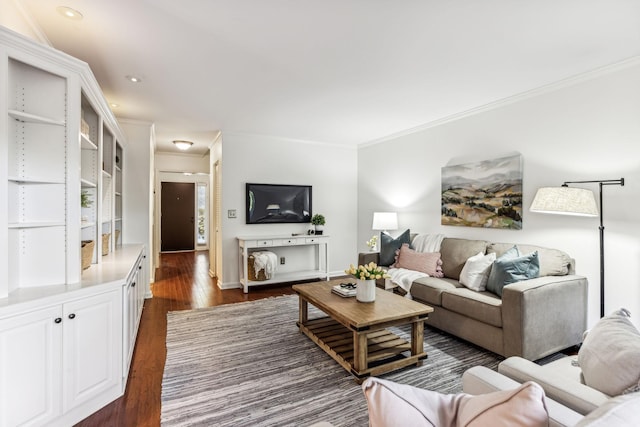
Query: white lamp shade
{"type": "Point", "coordinates": [385, 221]}
{"type": "Point", "coordinates": [565, 201]}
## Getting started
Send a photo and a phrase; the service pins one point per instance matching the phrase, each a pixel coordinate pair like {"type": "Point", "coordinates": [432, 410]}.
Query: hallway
{"type": "Point", "coordinates": [182, 283]}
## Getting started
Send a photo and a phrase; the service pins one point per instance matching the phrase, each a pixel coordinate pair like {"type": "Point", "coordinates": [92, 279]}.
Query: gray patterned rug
{"type": "Point", "coordinates": [247, 364]}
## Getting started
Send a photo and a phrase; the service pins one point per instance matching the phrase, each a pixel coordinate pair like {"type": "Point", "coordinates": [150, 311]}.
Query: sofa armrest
{"type": "Point", "coordinates": [480, 379]}
{"type": "Point", "coordinates": [573, 394]}
{"type": "Point", "coordinates": [367, 257]}
{"type": "Point", "coordinates": [543, 315]}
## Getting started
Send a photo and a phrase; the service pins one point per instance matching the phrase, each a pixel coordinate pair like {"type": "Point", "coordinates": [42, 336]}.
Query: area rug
{"type": "Point", "coordinates": [247, 364]}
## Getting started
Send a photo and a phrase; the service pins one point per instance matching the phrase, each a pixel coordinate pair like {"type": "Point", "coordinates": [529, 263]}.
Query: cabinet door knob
{"type": "Point", "coordinates": [133, 285]}
{"type": "Point", "coordinates": [57, 320]}
{"type": "Point", "coordinates": [72, 316]}
{"type": "Point", "coordinates": [139, 267]}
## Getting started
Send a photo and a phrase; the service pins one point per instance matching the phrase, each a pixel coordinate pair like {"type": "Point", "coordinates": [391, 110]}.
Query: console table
{"type": "Point", "coordinates": [248, 244]}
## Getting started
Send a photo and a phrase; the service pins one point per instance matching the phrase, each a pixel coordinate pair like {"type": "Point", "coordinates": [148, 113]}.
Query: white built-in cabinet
{"type": "Point", "coordinates": [133, 300]}
{"type": "Point", "coordinates": [65, 359]}
{"type": "Point", "coordinates": [66, 333]}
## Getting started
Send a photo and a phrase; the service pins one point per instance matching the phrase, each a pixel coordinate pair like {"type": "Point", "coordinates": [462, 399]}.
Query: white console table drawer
{"type": "Point", "coordinates": [287, 242]}
{"type": "Point", "coordinates": [260, 243]}
{"type": "Point", "coordinates": [314, 240]}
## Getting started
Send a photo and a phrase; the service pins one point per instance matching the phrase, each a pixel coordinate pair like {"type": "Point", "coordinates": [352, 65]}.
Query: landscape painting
{"type": "Point", "coordinates": [483, 194]}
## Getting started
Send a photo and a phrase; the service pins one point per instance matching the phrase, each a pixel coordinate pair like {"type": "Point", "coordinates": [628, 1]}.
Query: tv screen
{"type": "Point", "coordinates": [275, 203]}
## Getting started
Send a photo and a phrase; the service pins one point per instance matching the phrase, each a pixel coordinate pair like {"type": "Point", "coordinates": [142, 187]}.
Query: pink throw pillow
{"type": "Point", "coordinates": [425, 262]}
{"type": "Point", "coordinates": [391, 404]}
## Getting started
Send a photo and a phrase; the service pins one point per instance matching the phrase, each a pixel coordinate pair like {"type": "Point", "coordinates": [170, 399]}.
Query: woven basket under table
{"type": "Point", "coordinates": [251, 271]}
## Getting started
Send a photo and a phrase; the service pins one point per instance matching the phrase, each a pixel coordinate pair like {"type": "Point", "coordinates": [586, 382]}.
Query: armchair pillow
{"type": "Point", "coordinates": [621, 411]}
{"type": "Point", "coordinates": [393, 404]}
{"type": "Point", "coordinates": [610, 355]}
{"type": "Point", "coordinates": [389, 246]}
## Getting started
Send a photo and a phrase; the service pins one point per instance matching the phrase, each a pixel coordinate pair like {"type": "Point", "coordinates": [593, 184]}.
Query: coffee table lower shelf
{"type": "Point", "coordinates": [385, 350]}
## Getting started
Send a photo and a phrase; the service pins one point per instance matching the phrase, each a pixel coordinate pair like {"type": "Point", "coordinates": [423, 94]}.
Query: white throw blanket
{"type": "Point", "coordinates": [421, 243]}
{"type": "Point", "coordinates": [267, 260]}
{"type": "Point", "coordinates": [404, 278]}
{"type": "Point", "coordinates": [427, 242]}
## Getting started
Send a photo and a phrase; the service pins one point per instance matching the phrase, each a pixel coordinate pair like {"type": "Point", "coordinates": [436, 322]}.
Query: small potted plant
{"type": "Point", "coordinates": [318, 221]}
{"type": "Point", "coordinates": [85, 200]}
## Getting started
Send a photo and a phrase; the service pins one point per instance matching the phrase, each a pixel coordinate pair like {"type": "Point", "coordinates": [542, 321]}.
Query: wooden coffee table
{"type": "Point", "coordinates": [354, 333]}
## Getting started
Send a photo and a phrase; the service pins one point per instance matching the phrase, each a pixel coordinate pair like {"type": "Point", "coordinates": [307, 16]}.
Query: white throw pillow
{"type": "Point", "coordinates": [475, 273]}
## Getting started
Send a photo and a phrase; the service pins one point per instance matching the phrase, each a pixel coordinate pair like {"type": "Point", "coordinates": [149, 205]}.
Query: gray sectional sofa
{"type": "Point", "coordinates": [532, 319]}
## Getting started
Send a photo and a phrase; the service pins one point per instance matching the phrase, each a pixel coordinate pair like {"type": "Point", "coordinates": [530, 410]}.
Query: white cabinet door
{"type": "Point", "coordinates": [92, 347]}
{"type": "Point", "coordinates": [129, 310]}
{"type": "Point", "coordinates": [30, 362]}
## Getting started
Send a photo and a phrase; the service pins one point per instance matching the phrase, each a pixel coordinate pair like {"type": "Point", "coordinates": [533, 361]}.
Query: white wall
{"type": "Point", "coordinates": [586, 130]}
{"type": "Point", "coordinates": [138, 186]}
{"type": "Point", "coordinates": [330, 169]}
{"type": "Point", "coordinates": [179, 162]}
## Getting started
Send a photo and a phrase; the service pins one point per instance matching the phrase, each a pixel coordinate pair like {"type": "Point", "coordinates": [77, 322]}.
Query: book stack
{"type": "Point", "coordinates": [344, 292]}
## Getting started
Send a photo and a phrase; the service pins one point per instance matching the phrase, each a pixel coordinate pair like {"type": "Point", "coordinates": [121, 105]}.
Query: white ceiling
{"type": "Point", "coordinates": [338, 71]}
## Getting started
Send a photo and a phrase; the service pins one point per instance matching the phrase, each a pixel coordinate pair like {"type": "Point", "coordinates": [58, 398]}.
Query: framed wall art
{"type": "Point", "coordinates": [485, 194]}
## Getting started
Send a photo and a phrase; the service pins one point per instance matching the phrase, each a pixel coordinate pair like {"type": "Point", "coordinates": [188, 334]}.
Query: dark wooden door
{"type": "Point", "coordinates": [177, 225]}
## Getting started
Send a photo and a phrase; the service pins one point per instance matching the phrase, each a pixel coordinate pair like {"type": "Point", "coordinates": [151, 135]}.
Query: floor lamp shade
{"type": "Point", "coordinates": [576, 201]}
{"type": "Point", "coordinates": [385, 221]}
{"type": "Point", "coordinates": [565, 201]}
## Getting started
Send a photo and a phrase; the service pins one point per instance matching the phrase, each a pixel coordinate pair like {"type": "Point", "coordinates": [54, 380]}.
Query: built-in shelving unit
{"type": "Point", "coordinates": [35, 165]}
{"type": "Point", "coordinates": [90, 182]}
{"type": "Point", "coordinates": [66, 333]}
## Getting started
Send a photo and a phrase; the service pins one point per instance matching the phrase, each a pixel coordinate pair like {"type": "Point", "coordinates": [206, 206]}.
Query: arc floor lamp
{"type": "Point", "coordinates": [576, 201]}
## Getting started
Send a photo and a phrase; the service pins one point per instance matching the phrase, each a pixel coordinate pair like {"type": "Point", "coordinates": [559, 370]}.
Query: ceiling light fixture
{"type": "Point", "coordinates": [182, 144]}
{"type": "Point", "coordinates": [69, 13]}
{"type": "Point", "coordinates": [134, 79]}
{"type": "Point", "coordinates": [114, 105]}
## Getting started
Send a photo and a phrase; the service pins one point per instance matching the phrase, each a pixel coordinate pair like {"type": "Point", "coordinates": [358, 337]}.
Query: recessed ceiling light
{"type": "Point", "coordinates": [69, 13]}
{"type": "Point", "coordinates": [114, 105]}
{"type": "Point", "coordinates": [134, 79]}
{"type": "Point", "coordinates": [183, 145]}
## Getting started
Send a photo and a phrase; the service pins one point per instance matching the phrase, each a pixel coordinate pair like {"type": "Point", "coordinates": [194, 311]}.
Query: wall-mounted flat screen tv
{"type": "Point", "coordinates": [276, 203]}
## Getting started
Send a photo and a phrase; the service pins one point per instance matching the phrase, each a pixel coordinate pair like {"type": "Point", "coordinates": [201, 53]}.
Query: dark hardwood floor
{"type": "Point", "coordinates": [182, 282]}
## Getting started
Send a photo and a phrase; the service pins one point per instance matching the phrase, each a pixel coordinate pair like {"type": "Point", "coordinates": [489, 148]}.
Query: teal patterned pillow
{"type": "Point", "coordinates": [510, 269]}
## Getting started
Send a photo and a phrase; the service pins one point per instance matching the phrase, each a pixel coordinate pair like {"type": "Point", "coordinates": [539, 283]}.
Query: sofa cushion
{"type": "Point", "coordinates": [610, 355]}
{"type": "Point", "coordinates": [475, 273]}
{"type": "Point", "coordinates": [483, 306]}
{"type": "Point", "coordinates": [553, 262]}
{"type": "Point", "coordinates": [389, 246]}
{"type": "Point", "coordinates": [456, 252]}
{"type": "Point", "coordinates": [393, 404]}
{"type": "Point", "coordinates": [424, 262]}
{"type": "Point", "coordinates": [429, 289]}
{"type": "Point", "coordinates": [507, 270]}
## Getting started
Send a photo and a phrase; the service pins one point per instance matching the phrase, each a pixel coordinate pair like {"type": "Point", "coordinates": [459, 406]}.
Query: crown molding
{"type": "Point", "coordinates": [287, 139]}
{"type": "Point", "coordinates": [551, 87]}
